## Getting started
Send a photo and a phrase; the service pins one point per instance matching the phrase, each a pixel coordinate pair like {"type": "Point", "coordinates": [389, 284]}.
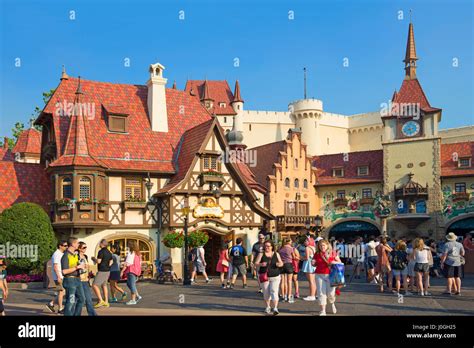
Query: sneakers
{"type": "Point", "coordinates": [106, 305]}
{"type": "Point", "coordinates": [223, 286]}
{"type": "Point", "coordinates": [231, 286]}
{"type": "Point", "coordinates": [131, 302]}
{"type": "Point", "coordinates": [192, 281]}
{"type": "Point", "coordinates": [61, 311]}
{"type": "Point", "coordinates": [245, 286]}
{"type": "Point", "coordinates": [322, 313]}
{"type": "Point", "coordinates": [427, 293]}
{"type": "Point", "coordinates": [260, 291]}
{"type": "Point", "coordinates": [228, 285]}
{"type": "Point", "coordinates": [285, 298]}
{"type": "Point", "coordinates": [50, 307]}
{"type": "Point", "coordinates": [113, 300]}
{"type": "Point", "coordinates": [268, 310]}
{"type": "Point", "coordinates": [139, 298]}
{"type": "Point", "coordinates": [309, 298]}
{"type": "Point", "coordinates": [208, 280]}
{"type": "Point", "coordinates": [297, 295]}
{"type": "Point", "coordinates": [275, 311]}
{"type": "Point", "coordinates": [100, 304]}
{"type": "Point", "coordinates": [291, 299]}
{"type": "Point", "coordinates": [333, 307]}
{"type": "Point", "coordinates": [124, 296]}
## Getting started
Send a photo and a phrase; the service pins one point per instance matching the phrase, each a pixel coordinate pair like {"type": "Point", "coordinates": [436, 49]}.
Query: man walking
{"type": "Point", "coordinates": [104, 261]}
{"type": "Point", "coordinates": [70, 266]}
{"type": "Point", "coordinates": [257, 248]}
{"type": "Point", "coordinates": [239, 259]}
{"type": "Point", "coordinates": [451, 264]}
{"type": "Point", "coordinates": [58, 277]}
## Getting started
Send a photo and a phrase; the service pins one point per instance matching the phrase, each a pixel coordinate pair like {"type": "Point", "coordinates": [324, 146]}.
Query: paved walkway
{"type": "Point", "coordinates": [357, 298]}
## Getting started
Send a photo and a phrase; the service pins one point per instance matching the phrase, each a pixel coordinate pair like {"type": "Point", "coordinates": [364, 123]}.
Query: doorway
{"type": "Point", "coordinates": [211, 249]}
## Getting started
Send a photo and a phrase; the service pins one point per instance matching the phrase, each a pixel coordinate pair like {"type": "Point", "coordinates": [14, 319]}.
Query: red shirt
{"type": "Point", "coordinates": [321, 265]}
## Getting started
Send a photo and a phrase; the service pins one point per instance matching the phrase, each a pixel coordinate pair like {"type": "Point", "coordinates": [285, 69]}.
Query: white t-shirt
{"type": "Point", "coordinates": [130, 258]}
{"type": "Point", "coordinates": [56, 259]}
{"type": "Point", "coordinates": [371, 248]}
{"type": "Point", "coordinates": [422, 256]}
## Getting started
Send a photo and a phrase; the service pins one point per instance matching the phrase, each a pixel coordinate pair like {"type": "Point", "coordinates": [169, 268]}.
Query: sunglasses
{"type": "Point", "coordinates": [64, 245]}
{"type": "Point", "coordinates": [83, 248]}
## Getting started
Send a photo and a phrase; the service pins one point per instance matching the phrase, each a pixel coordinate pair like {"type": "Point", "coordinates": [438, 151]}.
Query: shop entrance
{"type": "Point", "coordinates": [212, 249]}
{"type": "Point", "coordinates": [352, 228]}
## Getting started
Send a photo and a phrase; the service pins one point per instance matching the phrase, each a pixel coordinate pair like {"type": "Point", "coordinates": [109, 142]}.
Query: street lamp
{"type": "Point", "coordinates": [318, 222]}
{"type": "Point", "coordinates": [185, 210]}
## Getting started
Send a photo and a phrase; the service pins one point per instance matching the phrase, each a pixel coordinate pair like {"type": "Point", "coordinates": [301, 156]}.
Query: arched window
{"type": "Point", "coordinates": [297, 183]}
{"type": "Point", "coordinates": [287, 183]}
{"type": "Point", "coordinates": [66, 188]}
{"type": "Point", "coordinates": [296, 163]}
{"type": "Point", "coordinates": [305, 183]}
{"type": "Point", "coordinates": [84, 188]}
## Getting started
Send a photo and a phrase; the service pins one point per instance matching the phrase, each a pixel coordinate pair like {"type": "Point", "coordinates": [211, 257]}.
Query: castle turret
{"type": "Point", "coordinates": [307, 113]}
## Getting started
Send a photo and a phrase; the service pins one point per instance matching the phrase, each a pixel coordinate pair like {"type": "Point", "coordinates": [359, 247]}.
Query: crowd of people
{"type": "Point", "coordinates": [74, 279]}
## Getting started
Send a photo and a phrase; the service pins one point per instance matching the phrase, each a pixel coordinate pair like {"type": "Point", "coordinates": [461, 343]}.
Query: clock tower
{"type": "Point", "coordinates": [411, 149]}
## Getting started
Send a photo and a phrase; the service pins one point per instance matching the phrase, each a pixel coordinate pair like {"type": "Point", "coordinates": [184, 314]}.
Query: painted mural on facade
{"type": "Point", "coordinates": [455, 204]}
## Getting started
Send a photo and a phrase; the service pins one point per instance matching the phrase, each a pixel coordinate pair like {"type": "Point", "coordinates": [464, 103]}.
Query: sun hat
{"type": "Point", "coordinates": [451, 236]}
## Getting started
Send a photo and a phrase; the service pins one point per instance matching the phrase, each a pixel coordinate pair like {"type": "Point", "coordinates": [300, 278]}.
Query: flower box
{"type": "Point", "coordinates": [367, 201]}
{"type": "Point", "coordinates": [210, 176]}
{"type": "Point", "coordinates": [340, 202]}
{"type": "Point", "coordinates": [134, 205]}
{"type": "Point", "coordinates": [460, 196]}
{"type": "Point", "coordinates": [85, 206]}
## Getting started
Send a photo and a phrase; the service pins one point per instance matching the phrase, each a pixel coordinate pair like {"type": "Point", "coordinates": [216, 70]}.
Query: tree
{"type": "Point", "coordinates": [26, 226]}
{"type": "Point", "coordinates": [20, 127]}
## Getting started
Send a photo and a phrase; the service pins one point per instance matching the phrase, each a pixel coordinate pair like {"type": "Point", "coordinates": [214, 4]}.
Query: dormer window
{"type": "Point", "coordinates": [117, 118]}
{"type": "Point", "coordinates": [338, 172]}
{"type": "Point", "coordinates": [222, 105]}
{"type": "Point", "coordinates": [464, 162]}
{"type": "Point", "coordinates": [362, 170]}
{"type": "Point", "coordinates": [209, 163]}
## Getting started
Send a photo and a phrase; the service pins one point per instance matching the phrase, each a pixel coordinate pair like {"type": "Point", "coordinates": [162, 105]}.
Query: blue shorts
{"type": "Point", "coordinates": [371, 262]}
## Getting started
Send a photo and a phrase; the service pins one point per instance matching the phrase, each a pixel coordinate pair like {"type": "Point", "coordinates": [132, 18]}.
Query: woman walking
{"type": "Point", "coordinates": [422, 254]}
{"type": "Point", "coordinates": [86, 285]}
{"type": "Point", "coordinates": [133, 269]}
{"type": "Point", "coordinates": [223, 264]}
{"type": "Point", "coordinates": [399, 265]}
{"type": "Point", "coordinates": [287, 254]}
{"type": "Point", "coordinates": [323, 258]}
{"type": "Point", "coordinates": [383, 263]}
{"type": "Point", "coordinates": [115, 275]}
{"type": "Point", "coordinates": [268, 263]}
{"type": "Point", "coordinates": [309, 269]}
{"type": "Point", "coordinates": [3, 285]}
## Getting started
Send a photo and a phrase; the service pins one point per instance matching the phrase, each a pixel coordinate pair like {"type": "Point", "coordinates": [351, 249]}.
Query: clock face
{"type": "Point", "coordinates": [411, 128]}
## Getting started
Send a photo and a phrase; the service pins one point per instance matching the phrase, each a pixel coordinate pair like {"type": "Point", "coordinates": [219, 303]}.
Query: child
{"type": "Point", "coordinates": [3, 284]}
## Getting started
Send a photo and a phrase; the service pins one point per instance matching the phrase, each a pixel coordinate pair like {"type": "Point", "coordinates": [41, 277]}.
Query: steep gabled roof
{"type": "Point", "coordinates": [411, 92]}
{"type": "Point", "coordinates": [326, 163]}
{"type": "Point", "coordinates": [450, 153]}
{"type": "Point", "coordinates": [23, 182]}
{"type": "Point", "coordinates": [140, 149]}
{"type": "Point", "coordinates": [267, 155]}
{"type": "Point", "coordinates": [218, 91]}
{"type": "Point", "coordinates": [29, 141]}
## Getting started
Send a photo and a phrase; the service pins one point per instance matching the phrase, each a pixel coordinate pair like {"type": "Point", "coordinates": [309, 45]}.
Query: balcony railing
{"type": "Point", "coordinates": [296, 220]}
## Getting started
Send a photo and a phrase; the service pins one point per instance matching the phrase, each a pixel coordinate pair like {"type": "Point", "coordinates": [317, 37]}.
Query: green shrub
{"type": "Point", "coordinates": [27, 224]}
{"type": "Point", "coordinates": [174, 240]}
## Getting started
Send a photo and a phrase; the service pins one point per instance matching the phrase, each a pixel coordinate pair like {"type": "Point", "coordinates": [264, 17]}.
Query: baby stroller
{"type": "Point", "coordinates": [165, 271]}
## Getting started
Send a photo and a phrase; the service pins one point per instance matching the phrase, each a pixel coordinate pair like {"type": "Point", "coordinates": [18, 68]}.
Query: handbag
{"type": "Point", "coordinates": [225, 263]}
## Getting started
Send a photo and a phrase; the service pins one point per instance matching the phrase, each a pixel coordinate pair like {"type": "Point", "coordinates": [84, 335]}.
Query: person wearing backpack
{"type": "Point", "coordinates": [133, 270]}
{"type": "Point", "coordinates": [399, 265]}
{"type": "Point", "coordinates": [199, 263]}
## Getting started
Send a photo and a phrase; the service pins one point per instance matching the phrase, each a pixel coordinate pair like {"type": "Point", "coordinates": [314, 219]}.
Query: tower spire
{"type": "Point", "coordinates": [237, 97]}
{"type": "Point", "coordinates": [410, 54]}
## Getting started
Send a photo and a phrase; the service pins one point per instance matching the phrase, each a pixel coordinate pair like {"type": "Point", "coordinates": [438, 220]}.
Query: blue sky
{"type": "Point", "coordinates": [272, 50]}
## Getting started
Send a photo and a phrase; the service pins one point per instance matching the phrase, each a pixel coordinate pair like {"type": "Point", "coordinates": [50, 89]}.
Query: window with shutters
{"type": "Point", "coordinates": [66, 188]}
{"type": "Point", "coordinates": [133, 189]}
{"type": "Point", "coordinates": [84, 188]}
{"type": "Point", "coordinates": [210, 163]}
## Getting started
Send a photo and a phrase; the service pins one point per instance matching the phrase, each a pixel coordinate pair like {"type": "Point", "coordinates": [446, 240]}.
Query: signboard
{"type": "Point", "coordinates": [208, 208]}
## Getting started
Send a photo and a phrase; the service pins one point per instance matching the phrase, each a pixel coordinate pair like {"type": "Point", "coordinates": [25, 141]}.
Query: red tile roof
{"type": "Point", "coordinates": [23, 182]}
{"type": "Point", "coordinates": [219, 92]}
{"type": "Point", "coordinates": [326, 163]}
{"type": "Point", "coordinates": [140, 148]}
{"type": "Point", "coordinates": [267, 155]}
{"type": "Point", "coordinates": [29, 141]}
{"type": "Point", "coordinates": [450, 152]}
{"type": "Point", "coordinates": [412, 92]}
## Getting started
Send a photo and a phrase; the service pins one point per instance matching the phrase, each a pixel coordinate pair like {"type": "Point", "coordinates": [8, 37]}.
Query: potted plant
{"type": "Point", "coordinates": [63, 204]}
{"type": "Point", "coordinates": [174, 240]}
{"type": "Point", "coordinates": [134, 203]}
{"type": "Point", "coordinates": [102, 204]}
{"type": "Point", "coordinates": [84, 204]}
{"type": "Point", "coordinates": [197, 238]}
